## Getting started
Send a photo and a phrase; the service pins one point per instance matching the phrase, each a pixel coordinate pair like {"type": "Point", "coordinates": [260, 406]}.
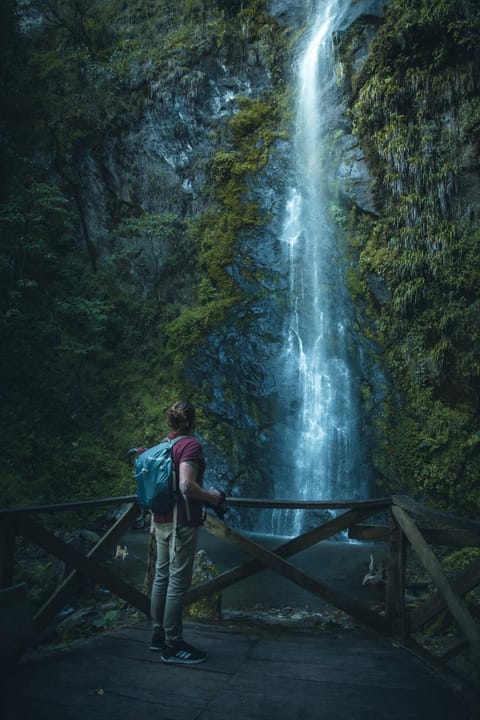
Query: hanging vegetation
{"type": "Point", "coordinates": [414, 106]}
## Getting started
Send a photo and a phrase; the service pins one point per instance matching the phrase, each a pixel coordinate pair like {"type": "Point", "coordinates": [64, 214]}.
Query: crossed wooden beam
{"type": "Point", "coordinates": [276, 560]}
{"type": "Point", "coordinates": [83, 566]}
{"type": "Point", "coordinates": [90, 566]}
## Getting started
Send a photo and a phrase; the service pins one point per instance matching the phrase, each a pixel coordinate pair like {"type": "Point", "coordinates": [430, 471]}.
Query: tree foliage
{"type": "Point", "coordinates": [97, 328]}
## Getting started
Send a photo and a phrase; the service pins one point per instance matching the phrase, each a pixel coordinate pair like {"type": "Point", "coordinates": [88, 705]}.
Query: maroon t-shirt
{"type": "Point", "coordinates": [186, 449]}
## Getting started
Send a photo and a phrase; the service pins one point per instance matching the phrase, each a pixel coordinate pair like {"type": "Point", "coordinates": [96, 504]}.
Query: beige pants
{"type": "Point", "coordinates": [173, 575]}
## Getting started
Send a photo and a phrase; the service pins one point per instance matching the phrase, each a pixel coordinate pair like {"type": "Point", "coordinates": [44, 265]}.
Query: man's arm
{"type": "Point", "coordinates": [191, 489]}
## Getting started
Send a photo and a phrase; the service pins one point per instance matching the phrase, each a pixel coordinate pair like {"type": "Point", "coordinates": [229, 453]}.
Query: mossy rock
{"type": "Point", "coordinates": [209, 608]}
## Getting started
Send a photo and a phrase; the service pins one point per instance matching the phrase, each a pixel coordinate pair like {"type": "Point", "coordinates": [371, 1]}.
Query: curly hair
{"type": "Point", "coordinates": [181, 416]}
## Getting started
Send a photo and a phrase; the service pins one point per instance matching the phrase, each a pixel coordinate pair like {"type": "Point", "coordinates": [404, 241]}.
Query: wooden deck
{"type": "Point", "coordinates": [253, 674]}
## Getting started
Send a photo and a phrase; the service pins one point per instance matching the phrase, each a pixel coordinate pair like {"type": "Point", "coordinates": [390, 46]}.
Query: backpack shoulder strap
{"type": "Point", "coordinates": [176, 439]}
{"type": "Point", "coordinates": [172, 442]}
{"type": "Point", "coordinates": [176, 480]}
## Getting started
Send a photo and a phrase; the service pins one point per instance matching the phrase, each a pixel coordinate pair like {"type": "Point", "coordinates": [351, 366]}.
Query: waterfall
{"type": "Point", "coordinates": [319, 452]}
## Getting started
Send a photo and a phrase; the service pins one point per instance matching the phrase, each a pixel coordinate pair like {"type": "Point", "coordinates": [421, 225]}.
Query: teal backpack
{"type": "Point", "coordinates": [155, 475]}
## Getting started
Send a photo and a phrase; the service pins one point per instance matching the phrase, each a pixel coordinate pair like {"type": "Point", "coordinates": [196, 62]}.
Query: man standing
{"type": "Point", "coordinates": [176, 535]}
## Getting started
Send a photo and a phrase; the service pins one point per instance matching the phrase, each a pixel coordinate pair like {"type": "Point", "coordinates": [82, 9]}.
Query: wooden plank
{"type": "Point", "coordinates": [448, 537]}
{"type": "Point", "coordinates": [272, 561]}
{"type": "Point", "coordinates": [87, 565]}
{"type": "Point", "coordinates": [131, 686]}
{"type": "Point", "coordinates": [374, 504]}
{"type": "Point", "coordinates": [62, 507]}
{"type": "Point", "coordinates": [291, 547]}
{"type": "Point", "coordinates": [7, 551]}
{"type": "Point", "coordinates": [375, 533]}
{"type": "Point", "coordinates": [17, 632]}
{"type": "Point", "coordinates": [330, 674]}
{"type": "Point", "coordinates": [453, 649]}
{"type": "Point", "coordinates": [453, 600]}
{"type": "Point", "coordinates": [463, 581]}
{"type": "Point", "coordinates": [446, 678]}
{"type": "Point", "coordinates": [451, 537]}
{"type": "Point", "coordinates": [395, 596]}
{"type": "Point", "coordinates": [323, 532]}
{"type": "Point", "coordinates": [378, 503]}
{"type": "Point", "coordinates": [12, 595]}
{"type": "Point", "coordinates": [416, 508]}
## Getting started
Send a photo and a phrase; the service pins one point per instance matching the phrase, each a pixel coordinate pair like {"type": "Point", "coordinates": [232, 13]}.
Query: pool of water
{"type": "Point", "coordinates": [341, 565]}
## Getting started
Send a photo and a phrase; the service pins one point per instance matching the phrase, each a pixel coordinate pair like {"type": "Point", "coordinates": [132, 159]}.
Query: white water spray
{"type": "Point", "coordinates": [321, 454]}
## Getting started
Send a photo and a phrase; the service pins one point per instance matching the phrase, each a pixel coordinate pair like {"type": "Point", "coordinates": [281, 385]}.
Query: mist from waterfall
{"type": "Point", "coordinates": [319, 452]}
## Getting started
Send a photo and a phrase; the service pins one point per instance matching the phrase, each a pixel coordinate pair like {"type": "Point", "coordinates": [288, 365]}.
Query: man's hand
{"type": "Point", "coordinates": [189, 488]}
{"type": "Point", "coordinates": [217, 503]}
{"type": "Point", "coordinates": [217, 496]}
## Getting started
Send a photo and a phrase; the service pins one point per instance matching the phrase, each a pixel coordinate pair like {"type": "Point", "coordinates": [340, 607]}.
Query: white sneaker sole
{"type": "Point", "coordinates": [176, 660]}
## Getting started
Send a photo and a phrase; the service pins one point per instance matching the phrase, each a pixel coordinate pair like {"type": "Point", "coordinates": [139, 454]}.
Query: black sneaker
{"type": "Point", "coordinates": [183, 654]}
{"type": "Point", "coordinates": [158, 641]}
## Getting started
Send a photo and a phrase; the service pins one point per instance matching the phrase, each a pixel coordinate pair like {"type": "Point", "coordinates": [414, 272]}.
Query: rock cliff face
{"type": "Point", "coordinates": [234, 366]}
{"type": "Point", "coordinates": [161, 163]}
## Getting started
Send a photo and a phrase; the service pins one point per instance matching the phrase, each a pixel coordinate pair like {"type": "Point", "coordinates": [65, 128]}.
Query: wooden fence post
{"type": "Point", "coordinates": [7, 551]}
{"type": "Point", "coordinates": [431, 564]}
{"type": "Point", "coordinates": [395, 596]}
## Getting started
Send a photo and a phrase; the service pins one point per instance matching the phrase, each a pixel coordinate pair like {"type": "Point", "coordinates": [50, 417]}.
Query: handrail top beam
{"type": "Point", "coordinates": [260, 503]}
{"type": "Point", "coordinates": [72, 505]}
{"type": "Point", "coordinates": [414, 507]}
{"type": "Point", "coordinates": [231, 501]}
{"type": "Point", "coordinates": [307, 504]}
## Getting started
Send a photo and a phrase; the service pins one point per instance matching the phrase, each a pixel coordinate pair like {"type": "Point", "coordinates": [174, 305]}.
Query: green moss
{"type": "Point", "coordinates": [209, 608]}
{"type": "Point", "coordinates": [411, 101]}
{"type": "Point", "coordinates": [460, 559]}
{"type": "Point", "coordinates": [216, 232]}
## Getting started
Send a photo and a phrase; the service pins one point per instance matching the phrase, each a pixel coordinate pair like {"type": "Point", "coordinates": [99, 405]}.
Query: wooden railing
{"type": "Point", "coordinates": [404, 531]}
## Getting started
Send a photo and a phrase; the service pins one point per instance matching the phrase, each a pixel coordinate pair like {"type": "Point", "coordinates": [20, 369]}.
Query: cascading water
{"type": "Point", "coordinates": [319, 450]}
